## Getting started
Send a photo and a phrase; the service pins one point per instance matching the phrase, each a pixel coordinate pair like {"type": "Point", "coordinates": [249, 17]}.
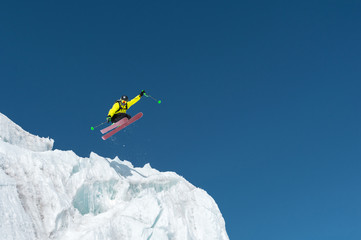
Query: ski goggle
{"type": "Point", "coordinates": [123, 102]}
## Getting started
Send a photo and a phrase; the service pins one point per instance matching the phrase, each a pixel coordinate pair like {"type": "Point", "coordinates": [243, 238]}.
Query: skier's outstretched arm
{"type": "Point", "coordinates": [136, 99]}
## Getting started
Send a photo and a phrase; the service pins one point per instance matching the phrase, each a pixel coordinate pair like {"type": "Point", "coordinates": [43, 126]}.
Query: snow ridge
{"type": "Point", "coordinates": [53, 194]}
{"type": "Point", "coordinates": [14, 134]}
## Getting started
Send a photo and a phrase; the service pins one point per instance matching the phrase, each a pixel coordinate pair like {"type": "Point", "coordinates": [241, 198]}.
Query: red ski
{"type": "Point", "coordinates": [120, 122]}
{"type": "Point", "coordinates": [117, 129]}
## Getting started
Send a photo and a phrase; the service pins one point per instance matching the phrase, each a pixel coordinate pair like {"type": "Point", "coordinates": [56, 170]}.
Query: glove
{"type": "Point", "coordinates": [109, 119]}
{"type": "Point", "coordinates": [142, 93]}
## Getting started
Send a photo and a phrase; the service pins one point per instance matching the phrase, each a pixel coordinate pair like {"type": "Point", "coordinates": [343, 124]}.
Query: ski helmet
{"type": "Point", "coordinates": [124, 98]}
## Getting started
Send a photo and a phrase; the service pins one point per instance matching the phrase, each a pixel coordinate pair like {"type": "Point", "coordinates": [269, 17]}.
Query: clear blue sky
{"type": "Point", "coordinates": [261, 99]}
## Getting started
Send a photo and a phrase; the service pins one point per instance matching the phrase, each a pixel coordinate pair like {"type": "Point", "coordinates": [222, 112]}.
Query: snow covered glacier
{"type": "Point", "coordinates": [53, 194]}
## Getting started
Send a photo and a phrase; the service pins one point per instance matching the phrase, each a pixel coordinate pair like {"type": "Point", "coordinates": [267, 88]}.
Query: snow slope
{"type": "Point", "coordinates": [53, 194]}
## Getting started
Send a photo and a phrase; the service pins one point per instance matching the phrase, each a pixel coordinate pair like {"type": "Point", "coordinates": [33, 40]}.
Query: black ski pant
{"type": "Point", "coordinates": [119, 116]}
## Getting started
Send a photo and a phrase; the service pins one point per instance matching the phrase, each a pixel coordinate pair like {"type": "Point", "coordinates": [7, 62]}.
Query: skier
{"type": "Point", "coordinates": [120, 107]}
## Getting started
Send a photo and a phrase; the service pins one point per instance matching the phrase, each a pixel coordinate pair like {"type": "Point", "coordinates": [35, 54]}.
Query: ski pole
{"type": "Point", "coordinates": [92, 128]}
{"type": "Point", "coordinates": [147, 95]}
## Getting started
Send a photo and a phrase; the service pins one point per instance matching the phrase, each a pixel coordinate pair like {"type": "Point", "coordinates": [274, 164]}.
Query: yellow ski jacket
{"type": "Point", "coordinates": [119, 108]}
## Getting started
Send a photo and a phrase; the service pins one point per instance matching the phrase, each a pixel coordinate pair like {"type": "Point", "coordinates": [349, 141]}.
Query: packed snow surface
{"type": "Point", "coordinates": [53, 194]}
